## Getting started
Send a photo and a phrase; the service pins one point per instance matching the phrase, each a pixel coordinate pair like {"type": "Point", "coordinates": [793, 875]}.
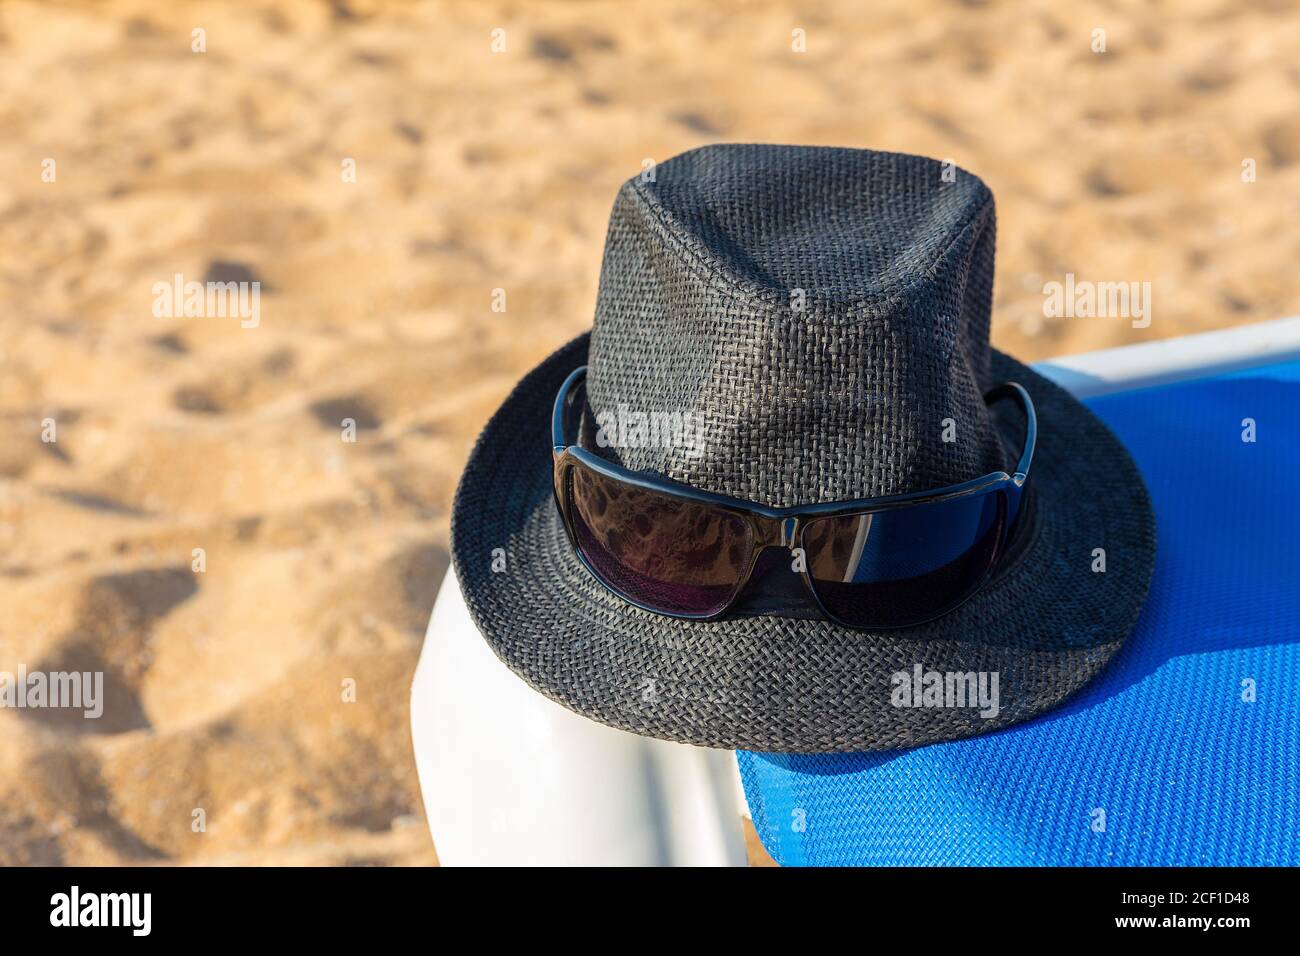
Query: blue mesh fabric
{"type": "Point", "coordinates": [1185, 770]}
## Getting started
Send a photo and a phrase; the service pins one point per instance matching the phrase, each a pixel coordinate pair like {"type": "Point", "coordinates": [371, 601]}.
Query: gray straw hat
{"type": "Point", "coordinates": [823, 316]}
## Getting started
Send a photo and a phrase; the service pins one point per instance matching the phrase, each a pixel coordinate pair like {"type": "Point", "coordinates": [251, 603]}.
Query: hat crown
{"type": "Point", "coordinates": [794, 325]}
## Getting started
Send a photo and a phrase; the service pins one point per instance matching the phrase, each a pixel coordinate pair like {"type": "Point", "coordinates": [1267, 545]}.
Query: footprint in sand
{"type": "Point", "coordinates": [112, 637]}
{"type": "Point", "coordinates": [330, 412]}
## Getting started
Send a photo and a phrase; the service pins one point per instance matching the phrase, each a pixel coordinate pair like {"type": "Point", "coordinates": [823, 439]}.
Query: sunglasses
{"type": "Point", "coordinates": [876, 563]}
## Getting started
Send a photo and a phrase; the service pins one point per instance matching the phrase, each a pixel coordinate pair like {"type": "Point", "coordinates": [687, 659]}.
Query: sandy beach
{"type": "Point", "coordinates": [382, 173]}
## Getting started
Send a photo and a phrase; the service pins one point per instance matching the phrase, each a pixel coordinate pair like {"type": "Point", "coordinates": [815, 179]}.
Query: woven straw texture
{"type": "Point", "coordinates": [822, 312]}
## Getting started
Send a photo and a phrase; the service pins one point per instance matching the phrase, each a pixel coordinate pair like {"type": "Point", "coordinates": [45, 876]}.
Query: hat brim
{"type": "Point", "coordinates": [1055, 613]}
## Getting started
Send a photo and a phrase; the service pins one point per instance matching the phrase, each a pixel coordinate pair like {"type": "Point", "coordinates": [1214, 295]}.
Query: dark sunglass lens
{"type": "Point", "coordinates": [666, 553]}
{"type": "Point", "coordinates": [895, 568]}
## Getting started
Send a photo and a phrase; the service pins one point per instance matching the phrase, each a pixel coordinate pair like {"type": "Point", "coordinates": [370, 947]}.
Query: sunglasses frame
{"type": "Point", "coordinates": [784, 527]}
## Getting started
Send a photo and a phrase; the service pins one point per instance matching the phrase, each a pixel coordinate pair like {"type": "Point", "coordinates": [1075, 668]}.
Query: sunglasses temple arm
{"type": "Point", "coordinates": [1017, 391]}
{"type": "Point", "coordinates": [1015, 491]}
{"type": "Point", "coordinates": [1031, 435]}
{"type": "Point", "coordinates": [560, 440]}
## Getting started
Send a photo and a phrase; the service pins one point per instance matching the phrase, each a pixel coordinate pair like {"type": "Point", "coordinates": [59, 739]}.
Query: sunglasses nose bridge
{"type": "Point", "coordinates": [770, 532]}
{"type": "Point", "coordinates": [771, 587]}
